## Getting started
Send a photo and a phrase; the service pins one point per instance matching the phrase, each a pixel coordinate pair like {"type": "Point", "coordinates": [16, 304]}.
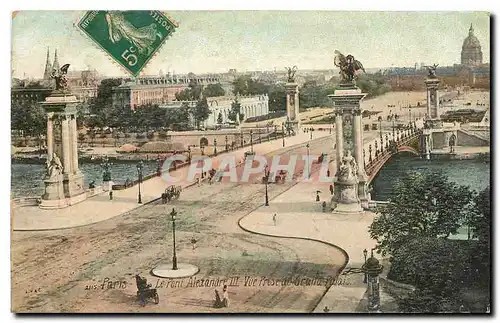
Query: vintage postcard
{"type": "Point", "coordinates": [250, 162]}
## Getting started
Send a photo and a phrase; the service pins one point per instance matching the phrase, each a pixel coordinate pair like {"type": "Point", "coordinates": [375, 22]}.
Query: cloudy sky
{"type": "Point", "coordinates": [215, 41]}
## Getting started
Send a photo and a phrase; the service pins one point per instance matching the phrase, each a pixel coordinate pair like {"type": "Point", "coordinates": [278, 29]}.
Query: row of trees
{"type": "Point", "coordinates": [30, 118]}
{"type": "Point", "coordinates": [424, 210]}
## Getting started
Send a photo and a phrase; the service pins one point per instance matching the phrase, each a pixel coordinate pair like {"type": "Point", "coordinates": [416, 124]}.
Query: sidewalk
{"type": "Point", "coordinates": [300, 216]}
{"type": "Point", "coordinates": [99, 208]}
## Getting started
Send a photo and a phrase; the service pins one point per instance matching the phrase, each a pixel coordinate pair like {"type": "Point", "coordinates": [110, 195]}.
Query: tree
{"type": "Point", "coordinates": [245, 85]}
{"type": "Point", "coordinates": [213, 90]}
{"type": "Point", "coordinates": [235, 109]}
{"type": "Point", "coordinates": [277, 97]}
{"type": "Point", "coordinates": [420, 205]}
{"type": "Point", "coordinates": [200, 112]}
{"type": "Point", "coordinates": [29, 118]}
{"type": "Point", "coordinates": [481, 220]}
{"type": "Point", "coordinates": [102, 106]}
{"type": "Point", "coordinates": [219, 118]}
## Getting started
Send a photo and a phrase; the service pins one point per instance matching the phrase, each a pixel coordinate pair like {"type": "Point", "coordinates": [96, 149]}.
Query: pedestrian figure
{"type": "Point", "coordinates": [317, 196]}
{"type": "Point", "coordinates": [328, 173]}
{"type": "Point", "coordinates": [110, 188]}
{"type": "Point", "coordinates": [331, 189]}
{"type": "Point", "coordinates": [193, 242]}
{"type": "Point", "coordinates": [274, 219]}
{"type": "Point", "coordinates": [326, 309]}
{"type": "Point", "coordinates": [324, 206]}
{"type": "Point", "coordinates": [218, 302]}
{"type": "Point", "coordinates": [225, 296]}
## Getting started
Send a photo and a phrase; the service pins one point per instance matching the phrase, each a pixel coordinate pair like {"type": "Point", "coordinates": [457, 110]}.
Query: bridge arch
{"type": "Point", "coordinates": [380, 163]}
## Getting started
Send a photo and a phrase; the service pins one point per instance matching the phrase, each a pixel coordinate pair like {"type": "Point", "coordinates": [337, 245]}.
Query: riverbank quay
{"type": "Point", "coordinates": [100, 207]}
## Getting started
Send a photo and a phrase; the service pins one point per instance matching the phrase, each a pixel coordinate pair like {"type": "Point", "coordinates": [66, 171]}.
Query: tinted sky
{"type": "Point", "coordinates": [215, 41]}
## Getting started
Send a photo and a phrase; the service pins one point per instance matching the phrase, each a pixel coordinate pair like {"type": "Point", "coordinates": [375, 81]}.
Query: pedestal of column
{"type": "Point", "coordinates": [64, 182]}
{"type": "Point", "coordinates": [292, 106]}
{"type": "Point", "coordinates": [350, 181]}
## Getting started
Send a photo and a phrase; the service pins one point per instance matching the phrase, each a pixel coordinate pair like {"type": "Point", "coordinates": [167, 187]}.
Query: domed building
{"type": "Point", "coordinates": [471, 50]}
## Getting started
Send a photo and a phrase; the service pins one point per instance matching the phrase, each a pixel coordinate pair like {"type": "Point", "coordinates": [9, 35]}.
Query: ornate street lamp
{"type": "Point", "coordinates": [365, 253]}
{"type": "Point", "coordinates": [376, 149]}
{"type": "Point", "coordinates": [283, 133]}
{"type": "Point", "coordinates": [202, 147]}
{"type": "Point", "coordinates": [267, 133]}
{"type": "Point", "coordinates": [174, 257]}
{"type": "Point", "coordinates": [308, 172]}
{"type": "Point", "coordinates": [215, 146]}
{"type": "Point", "coordinates": [386, 141]}
{"type": "Point", "coordinates": [241, 135]}
{"type": "Point", "coordinates": [251, 141]}
{"type": "Point", "coordinates": [226, 143]}
{"type": "Point", "coordinates": [189, 154]}
{"type": "Point", "coordinates": [266, 174]}
{"type": "Point", "coordinates": [370, 152]}
{"type": "Point", "coordinates": [139, 175]}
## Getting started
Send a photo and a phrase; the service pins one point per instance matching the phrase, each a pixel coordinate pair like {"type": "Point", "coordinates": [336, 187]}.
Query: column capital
{"type": "Point", "coordinates": [356, 112]}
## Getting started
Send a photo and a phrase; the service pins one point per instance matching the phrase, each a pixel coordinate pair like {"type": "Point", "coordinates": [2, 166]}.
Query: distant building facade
{"type": "Point", "coordinates": [155, 90]}
{"type": "Point", "coordinates": [471, 50]}
{"type": "Point", "coordinates": [250, 106]}
{"type": "Point", "coordinates": [471, 72]}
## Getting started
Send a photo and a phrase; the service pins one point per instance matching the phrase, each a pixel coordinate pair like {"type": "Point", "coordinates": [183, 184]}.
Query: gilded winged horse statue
{"type": "Point", "coordinates": [348, 66]}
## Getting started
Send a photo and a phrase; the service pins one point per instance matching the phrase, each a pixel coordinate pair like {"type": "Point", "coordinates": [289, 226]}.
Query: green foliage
{"type": "Point", "coordinates": [213, 90]}
{"type": "Point", "coordinates": [313, 95]}
{"type": "Point", "coordinates": [480, 222]}
{"type": "Point", "coordinates": [421, 205]}
{"type": "Point", "coordinates": [235, 109]}
{"type": "Point", "coordinates": [200, 112]}
{"type": "Point", "coordinates": [373, 84]}
{"type": "Point", "coordinates": [245, 85]}
{"type": "Point", "coordinates": [30, 118]}
{"type": "Point", "coordinates": [277, 97]}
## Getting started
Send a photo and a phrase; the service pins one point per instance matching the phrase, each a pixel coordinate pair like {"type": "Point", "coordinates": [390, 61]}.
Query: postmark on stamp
{"type": "Point", "coordinates": [130, 37]}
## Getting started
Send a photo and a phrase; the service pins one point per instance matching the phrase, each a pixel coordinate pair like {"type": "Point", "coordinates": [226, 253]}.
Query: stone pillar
{"type": "Point", "coordinates": [428, 104]}
{"type": "Point", "coordinates": [50, 138]}
{"type": "Point", "coordinates": [74, 144]}
{"type": "Point", "coordinates": [433, 118]}
{"type": "Point", "coordinates": [66, 150]}
{"type": "Point", "coordinates": [65, 188]}
{"type": "Point", "coordinates": [358, 156]}
{"type": "Point", "coordinates": [340, 140]}
{"type": "Point", "coordinates": [350, 169]}
{"type": "Point", "coordinates": [292, 105]}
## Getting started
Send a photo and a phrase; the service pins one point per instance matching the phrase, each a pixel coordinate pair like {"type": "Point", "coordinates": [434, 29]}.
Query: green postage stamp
{"type": "Point", "coordinates": [130, 37]}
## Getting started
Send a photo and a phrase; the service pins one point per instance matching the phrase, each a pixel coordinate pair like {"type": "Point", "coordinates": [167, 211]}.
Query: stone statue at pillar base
{"type": "Point", "coordinates": [345, 198]}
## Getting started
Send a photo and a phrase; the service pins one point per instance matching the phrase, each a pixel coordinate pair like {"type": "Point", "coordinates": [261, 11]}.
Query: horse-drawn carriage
{"type": "Point", "coordinates": [278, 178]}
{"type": "Point", "coordinates": [172, 192]}
{"type": "Point", "coordinates": [145, 292]}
